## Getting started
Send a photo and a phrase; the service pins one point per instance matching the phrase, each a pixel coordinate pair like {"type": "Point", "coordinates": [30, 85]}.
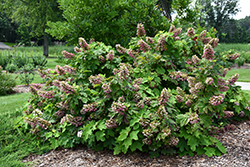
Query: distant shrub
{"type": "Point", "coordinates": [11, 67]}
{"type": "Point", "coordinates": [20, 59]}
{"type": "Point", "coordinates": [39, 61]}
{"type": "Point", "coordinates": [27, 74]}
{"type": "Point", "coordinates": [5, 58]}
{"type": "Point", "coordinates": [6, 83]}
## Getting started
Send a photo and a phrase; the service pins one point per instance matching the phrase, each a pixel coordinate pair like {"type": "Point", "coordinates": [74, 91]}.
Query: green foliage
{"type": "Point", "coordinates": [39, 61]}
{"type": "Point", "coordinates": [24, 35]}
{"type": "Point", "coordinates": [113, 19]}
{"type": "Point", "coordinates": [11, 67]}
{"type": "Point", "coordinates": [5, 58]}
{"type": "Point", "coordinates": [20, 59]}
{"type": "Point", "coordinates": [27, 74]}
{"type": "Point", "coordinates": [163, 95]}
{"type": "Point", "coordinates": [6, 83]}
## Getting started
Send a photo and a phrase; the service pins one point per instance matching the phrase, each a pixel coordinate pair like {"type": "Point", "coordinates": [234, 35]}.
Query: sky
{"type": "Point", "coordinates": [245, 10]}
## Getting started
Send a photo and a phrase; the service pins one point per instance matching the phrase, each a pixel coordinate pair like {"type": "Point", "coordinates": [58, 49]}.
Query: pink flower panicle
{"type": "Point", "coordinates": [137, 96]}
{"type": "Point", "coordinates": [136, 83]}
{"type": "Point", "coordinates": [91, 40]}
{"type": "Point", "coordinates": [174, 141]}
{"type": "Point", "coordinates": [214, 42]}
{"type": "Point", "coordinates": [177, 32]}
{"type": "Point", "coordinates": [233, 56]}
{"type": "Point", "coordinates": [179, 98]}
{"type": "Point", "coordinates": [147, 132]}
{"type": "Point", "coordinates": [111, 123]}
{"type": "Point", "coordinates": [209, 81]}
{"type": "Point", "coordinates": [124, 71]}
{"type": "Point", "coordinates": [119, 107]}
{"type": "Point", "coordinates": [221, 82]}
{"type": "Point", "coordinates": [150, 40]}
{"type": "Point", "coordinates": [147, 101]}
{"type": "Point", "coordinates": [63, 105]}
{"type": "Point", "coordinates": [77, 121]}
{"type": "Point", "coordinates": [66, 88]}
{"type": "Point", "coordinates": [216, 100]}
{"type": "Point", "coordinates": [33, 122]}
{"type": "Point", "coordinates": [225, 71]}
{"type": "Point", "coordinates": [172, 28]}
{"type": "Point", "coordinates": [161, 43]}
{"type": "Point", "coordinates": [206, 40]}
{"type": "Point", "coordinates": [106, 88]}
{"type": "Point", "coordinates": [110, 56]}
{"type": "Point", "coordinates": [120, 49]}
{"type": "Point", "coordinates": [143, 46]}
{"type": "Point", "coordinates": [163, 99]}
{"type": "Point", "coordinates": [34, 88]}
{"type": "Point", "coordinates": [193, 118]}
{"type": "Point", "coordinates": [140, 104]}
{"type": "Point", "coordinates": [190, 32]}
{"type": "Point", "coordinates": [228, 114]}
{"type": "Point", "coordinates": [144, 122]}
{"type": "Point", "coordinates": [147, 141]}
{"type": "Point", "coordinates": [121, 99]}
{"type": "Point", "coordinates": [180, 91]}
{"type": "Point", "coordinates": [140, 30]}
{"type": "Point", "coordinates": [77, 50]}
{"type": "Point", "coordinates": [189, 102]}
{"type": "Point", "coordinates": [92, 107]}
{"type": "Point", "coordinates": [101, 59]}
{"type": "Point", "coordinates": [60, 70]}
{"type": "Point", "coordinates": [131, 53]}
{"type": "Point", "coordinates": [233, 79]}
{"type": "Point", "coordinates": [208, 52]}
{"type": "Point", "coordinates": [178, 75]}
{"type": "Point", "coordinates": [191, 82]}
{"type": "Point", "coordinates": [56, 83]}
{"type": "Point", "coordinates": [46, 94]}
{"type": "Point", "coordinates": [223, 88]}
{"type": "Point", "coordinates": [59, 113]}
{"type": "Point", "coordinates": [68, 55]}
{"type": "Point", "coordinates": [161, 112]}
{"type": "Point", "coordinates": [84, 45]}
{"type": "Point", "coordinates": [202, 35]}
{"type": "Point", "coordinates": [69, 69]}
{"type": "Point", "coordinates": [242, 114]}
{"type": "Point", "coordinates": [97, 79]}
{"type": "Point", "coordinates": [195, 59]}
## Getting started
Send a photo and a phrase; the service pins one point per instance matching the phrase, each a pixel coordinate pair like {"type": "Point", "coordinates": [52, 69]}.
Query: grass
{"type": "Point", "coordinates": [9, 44]}
{"type": "Point", "coordinates": [244, 74]}
{"type": "Point", "coordinates": [15, 143]}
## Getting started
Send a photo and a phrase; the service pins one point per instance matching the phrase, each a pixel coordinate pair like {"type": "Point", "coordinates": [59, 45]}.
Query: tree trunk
{"type": "Point", "coordinates": [166, 6]}
{"type": "Point", "coordinates": [46, 46]}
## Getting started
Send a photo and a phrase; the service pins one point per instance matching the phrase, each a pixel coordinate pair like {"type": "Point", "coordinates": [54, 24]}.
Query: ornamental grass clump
{"type": "Point", "coordinates": [163, 95]}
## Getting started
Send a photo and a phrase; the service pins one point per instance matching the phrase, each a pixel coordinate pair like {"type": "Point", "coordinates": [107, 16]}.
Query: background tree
{"type": "Point", "coordinates": [109, 21]}
{"type": "Point", "coordinates": [7, 28]}
{"type": "Point", "coordinates": [35, 14]}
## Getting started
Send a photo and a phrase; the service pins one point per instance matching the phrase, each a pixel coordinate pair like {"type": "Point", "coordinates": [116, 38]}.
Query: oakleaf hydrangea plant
{"type": "Point", "coordinates": [164, 94]}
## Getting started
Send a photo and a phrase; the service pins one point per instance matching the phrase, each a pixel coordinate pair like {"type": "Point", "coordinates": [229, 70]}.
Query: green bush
{"type": "Point", "coordinates": [11, 67]}
{"type": "Point", "coordinates": [6, 83]}
{"type": "Point", "coordinates": [20, 59]}
{"type": "Point", "coordinates": [163, 95]}
{"type": "Point", "coordinates": [5, 58]}
{"type": "Point", "coordinates": [27, 74]}
{"type": "Point", "coordinates": [39, 61]}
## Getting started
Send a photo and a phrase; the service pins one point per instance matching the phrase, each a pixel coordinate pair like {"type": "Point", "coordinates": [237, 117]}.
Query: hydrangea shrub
{"type": "Point", "coordinates": [163, 95]}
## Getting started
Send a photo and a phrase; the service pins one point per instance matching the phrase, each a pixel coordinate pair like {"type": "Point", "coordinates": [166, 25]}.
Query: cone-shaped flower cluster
{"type": "Point", "coordinates": [77, 121]}
{"type": "Point", "coordinates": [150, 40]}
{"type": "Point", "coordinates": [106, 88]}
{"type": "Point", "coordinates": [161, 43]}
{"type": "Point", "coordinates": [119, 107]}
{"type": "Point", "coordinates": [163, 99]}
{"type": "Point", "coordinates": [209, 80]}
{"type": "Point", "coordinates": [34, 88]}
{"type": "Point", "coordinates": [97, 79]}
{"type": "Point", "coordinates": [111, 123]}
{"type": "Point", "coordinates": [92, 107]}
{"type": "Point", "coordinates": [208, 52]}
{"type": "Point", "coordinates": [214, 42]}
{"type": "Point", "coordinates": [228, 114]}
{"type": "Point", "coordinates": [233, 56]}
{"type": "Point", "coordinates": [120, 49]}
{"type": "Point", "coordinates": [84, 45]}
{"type": "Point", "coordinates": [46, 94]}
{"type": "Point", "coordinates": [68, 55]}
{"type": "Point", "coordinates": [110, 56]}
{"type": "Point", "coordinates": [66, 88]}
{"type": "Point", "coordinates": [233, 79]}
{"type": "Point", "coordinates": [193, 118]}
{"type": "Point", "coordinates": [143, 46]}
{"type": "Point", "coordinates": [140, 30]}
{"type": "Point", "coordinates": [216, 100]}
{"type": "Point", "coordinates": [190, 32]}
{"type": "Point", "coordinates": [59, 113]}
